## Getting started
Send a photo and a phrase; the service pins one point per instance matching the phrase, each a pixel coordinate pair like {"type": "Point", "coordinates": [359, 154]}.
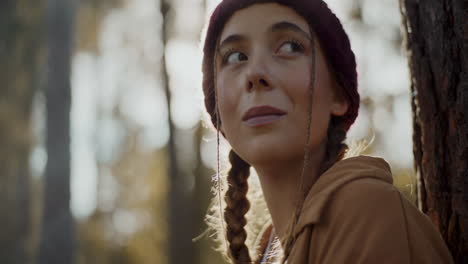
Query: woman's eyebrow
{"type": "Point", "coordinates": [280, 26]}
{"type": "Point", "coordinates": [232, 39]}
{"type": "Point", "coordinates": [285, 26]}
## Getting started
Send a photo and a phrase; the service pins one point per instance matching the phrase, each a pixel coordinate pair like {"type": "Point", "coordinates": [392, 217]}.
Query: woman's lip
{"type": "Point", "coordinates": [263, 110]}
{"type": "Point", "coordinates": [262, 120]}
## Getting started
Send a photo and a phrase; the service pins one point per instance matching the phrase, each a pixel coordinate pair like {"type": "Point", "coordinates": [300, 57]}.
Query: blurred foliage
{"type": "Point", "coordinates": [142, 182]}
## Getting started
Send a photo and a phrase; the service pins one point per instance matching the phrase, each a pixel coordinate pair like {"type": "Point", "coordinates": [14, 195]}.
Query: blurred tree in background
{"type": "Point", "coordinates": [57, 236]}
{"type": "Point", "coordinates": [108, 156]}
{"type": "Point", "coordinates": [21, 39]}
{"type": "Point", "coordinates": [180, 215]}
{"type": "Point", "coordinates": [437, 41]}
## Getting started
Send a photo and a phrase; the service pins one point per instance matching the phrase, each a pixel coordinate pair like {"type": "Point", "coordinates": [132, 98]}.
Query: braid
{"type": "Point", "coordinates": [237, 206]}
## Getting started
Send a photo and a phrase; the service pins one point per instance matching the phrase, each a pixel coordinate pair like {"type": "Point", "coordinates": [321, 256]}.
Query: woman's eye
{"type": "Point", "coordinates": [235, 57]}
{"type": "Point", "coordinates": [291, 47]}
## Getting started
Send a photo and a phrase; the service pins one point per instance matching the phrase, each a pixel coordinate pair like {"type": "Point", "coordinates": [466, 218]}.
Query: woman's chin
{"type": "Point", "coordinates": [263, 153]}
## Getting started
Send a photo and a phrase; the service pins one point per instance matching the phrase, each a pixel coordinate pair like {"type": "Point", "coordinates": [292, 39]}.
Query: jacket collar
{"type": "Point", "coordinates": [339, 174]}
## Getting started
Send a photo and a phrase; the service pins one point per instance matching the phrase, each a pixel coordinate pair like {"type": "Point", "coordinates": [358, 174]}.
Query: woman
{"type": "Point", "coordinates": [280, 84]}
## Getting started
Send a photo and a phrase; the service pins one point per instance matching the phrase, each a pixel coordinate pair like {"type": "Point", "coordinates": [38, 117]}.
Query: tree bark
{"type": "Point", "coordinates": [20, 63]}
{"type": "Point", "coordinates": [437, 44]}
{"type": "Point", "coordinates": [57, 243]}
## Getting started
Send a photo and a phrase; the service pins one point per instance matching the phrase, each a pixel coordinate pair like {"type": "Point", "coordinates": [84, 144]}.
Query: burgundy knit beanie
{"type": "Point", "coordinates": [334, 41]}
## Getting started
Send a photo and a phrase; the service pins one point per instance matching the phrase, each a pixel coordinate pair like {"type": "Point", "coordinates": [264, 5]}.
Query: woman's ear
{"type": "Point", "coordinates": [339, 107]}
{"type": "Point", "coordinates": [340, 103]}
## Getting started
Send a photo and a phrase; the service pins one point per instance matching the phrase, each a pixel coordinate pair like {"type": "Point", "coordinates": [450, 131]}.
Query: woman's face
{"type": "Point", "coordinates": [263, 77]}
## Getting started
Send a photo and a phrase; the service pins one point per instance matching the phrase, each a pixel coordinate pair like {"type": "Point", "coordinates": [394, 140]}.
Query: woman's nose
{"type": "Point", "coordinates": [258, 83]}
{"type": "Point", "coordinates": [258, 76]}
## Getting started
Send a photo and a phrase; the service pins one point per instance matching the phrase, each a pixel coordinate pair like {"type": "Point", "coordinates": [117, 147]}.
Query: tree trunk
{"type": "Point", "coordinates": [437, 43]}
{"type": "Point", "coordinates": [58, 235]}
{"type": "Point", "coordinates": [180, 197]}
{"type": "Point", "coordinates": [20, 38]}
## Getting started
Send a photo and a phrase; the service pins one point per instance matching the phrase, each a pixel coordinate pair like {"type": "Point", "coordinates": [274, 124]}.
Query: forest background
{"type": "Point", "coordinates": [107, 152]}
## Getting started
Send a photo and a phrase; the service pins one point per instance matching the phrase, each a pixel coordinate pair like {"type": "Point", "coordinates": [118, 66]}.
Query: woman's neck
{"type": "Point", "coordinates": [280, 185]}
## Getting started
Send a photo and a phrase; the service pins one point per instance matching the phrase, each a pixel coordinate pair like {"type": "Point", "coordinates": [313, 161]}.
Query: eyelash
{"type": "Point", "coordinates": [230, 51]}
{"type": "Point", "coordinates": [226, 55]}
{"type": "Point", "coordinates": [296, 42]}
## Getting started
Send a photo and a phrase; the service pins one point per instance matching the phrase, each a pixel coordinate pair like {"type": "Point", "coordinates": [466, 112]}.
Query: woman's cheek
{"type": "Point", "coordinates": [298, 85]}
{"type": "Point", "coordinates": [227, 104]}
{"type": "Point", "coordinates": [228, 95]}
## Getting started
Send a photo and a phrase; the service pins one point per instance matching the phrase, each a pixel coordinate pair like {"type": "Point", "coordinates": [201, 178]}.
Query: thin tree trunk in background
{"type": "Point", "coordinates": [180, 209]}
{"type": "Point", "coordinates": [204, 252]}
{"type": "Point", "coordinates": [57, 243]}
{"type": "Point", "coordinates": [20, 48]}
{"type": "Point", "coordinates": [437, 41]}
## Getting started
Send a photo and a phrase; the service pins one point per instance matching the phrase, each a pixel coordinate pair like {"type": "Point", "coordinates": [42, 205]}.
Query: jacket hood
{"type": "Point", "coordinates": [340, 174]}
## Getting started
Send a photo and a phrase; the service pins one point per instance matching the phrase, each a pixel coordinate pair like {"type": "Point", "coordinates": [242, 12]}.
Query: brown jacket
{"type": "Point", "coordinates": [353, 214]}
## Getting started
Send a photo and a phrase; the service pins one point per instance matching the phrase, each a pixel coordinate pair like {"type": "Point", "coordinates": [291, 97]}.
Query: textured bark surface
{"type": "Point", "coordinates": [20, 38]}
{"type": "Point", "coordinates": [437, 43]}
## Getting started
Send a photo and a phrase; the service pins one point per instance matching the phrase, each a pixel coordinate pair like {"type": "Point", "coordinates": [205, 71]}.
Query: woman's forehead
{"type": "Point", "coordinates": [259, 19]}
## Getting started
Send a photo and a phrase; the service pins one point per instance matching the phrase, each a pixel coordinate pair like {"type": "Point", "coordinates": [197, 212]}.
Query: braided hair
{"type": "Point", "coordinates": [237, 206]}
